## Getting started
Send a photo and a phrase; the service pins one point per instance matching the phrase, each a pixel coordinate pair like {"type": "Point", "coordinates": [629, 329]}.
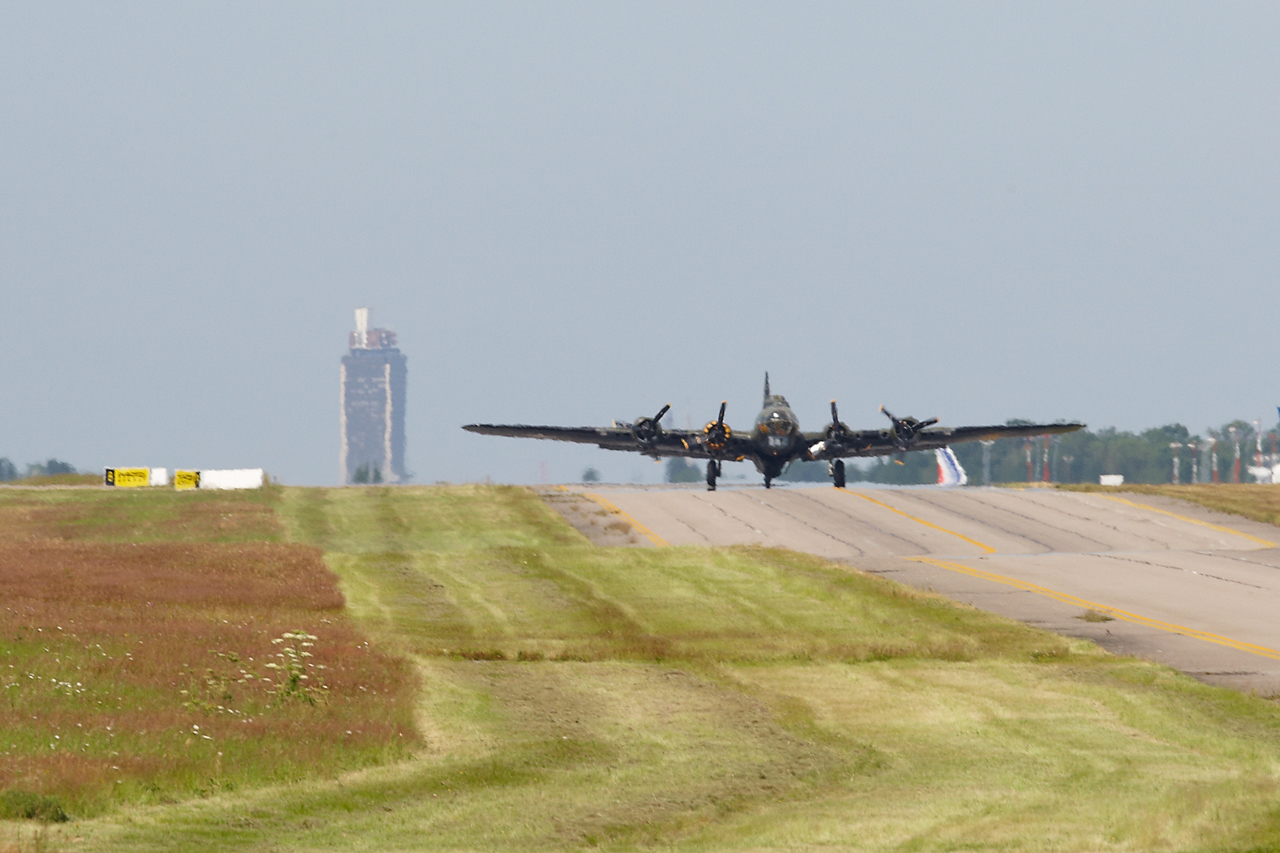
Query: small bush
{"type": "Point", "coordinates": [1094, 615]}
{"type": "Point", "coordinates": [27, 805]}
{"type": "Point", "coordinates": [482, 654]}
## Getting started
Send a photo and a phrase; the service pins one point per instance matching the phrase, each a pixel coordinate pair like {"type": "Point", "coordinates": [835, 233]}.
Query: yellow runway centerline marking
{"type": "Point", "coordinates": [1135, 618]}
{"type": "Point", "coordinates": [653, 537]}
{"type": "Point", "coordinates": [986, 548]}
{"type": "Point", "coordinates": [1263, 542]}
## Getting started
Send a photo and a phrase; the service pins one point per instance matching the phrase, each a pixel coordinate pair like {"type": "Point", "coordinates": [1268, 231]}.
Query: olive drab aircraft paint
{"type": "Point", "coordinates": [775, 441]}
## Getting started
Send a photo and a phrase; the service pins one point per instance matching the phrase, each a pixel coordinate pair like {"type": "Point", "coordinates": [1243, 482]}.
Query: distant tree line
{"type": "Point", "coordinates": [1145, 457]}
{"type": "Point", "coordinates": [681, 470]}
{"type": "Point", "coordinates": [9, 471]}
{"type": "Point", "coordinates": [1078, 457]}
{"type": "Point", "coordinates": [366, 474]}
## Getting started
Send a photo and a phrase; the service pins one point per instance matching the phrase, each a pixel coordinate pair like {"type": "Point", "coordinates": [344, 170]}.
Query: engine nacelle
{"type": "Point", "coordinates": [717, 434]}
{"type": "Point", "coordinates": [648, 430]}
{"type": "Point", "coordinates": [837, 435]}
{"type": "Point", "coordinates": [905, 430]}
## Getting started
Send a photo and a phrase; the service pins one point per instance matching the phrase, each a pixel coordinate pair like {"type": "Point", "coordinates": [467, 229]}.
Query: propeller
{"type": "Point", "coordinates": [836, 431]}
{"type": "Point", "coordinates": [837, 439]}
{"type": "Point", "coordinates": [647, 430]}
{"type": "Point", "coordinates": [905, 430]}
{"type": "Point", "coordinates": [716, 432]}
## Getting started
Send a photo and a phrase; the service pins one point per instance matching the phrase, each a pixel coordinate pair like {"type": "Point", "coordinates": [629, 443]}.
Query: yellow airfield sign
{"type": "Point", "coordinates": [186, 479]}
{"type": "Point", "coordinates": [127, 478]}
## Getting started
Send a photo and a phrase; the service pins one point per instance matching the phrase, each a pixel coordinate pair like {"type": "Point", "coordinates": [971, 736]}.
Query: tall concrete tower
{"type": "Point", "coordinates": [373, 383]}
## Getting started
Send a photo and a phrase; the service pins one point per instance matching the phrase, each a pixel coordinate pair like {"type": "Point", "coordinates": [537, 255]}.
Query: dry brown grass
{"type": "Point", "coordinates": [142, 670]}
{"type": "Point", "coordinates": [76, 576]}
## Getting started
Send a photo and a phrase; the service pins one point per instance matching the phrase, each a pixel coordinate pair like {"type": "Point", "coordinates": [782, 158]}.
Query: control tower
{"type": "Point", "coordinates": [372, 397]}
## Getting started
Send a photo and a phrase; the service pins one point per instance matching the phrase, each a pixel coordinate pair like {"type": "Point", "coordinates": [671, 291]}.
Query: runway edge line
{"type": "Point", "coordinates": [653, 537]}
{"type": "Point", "coordinates": [986, 548]}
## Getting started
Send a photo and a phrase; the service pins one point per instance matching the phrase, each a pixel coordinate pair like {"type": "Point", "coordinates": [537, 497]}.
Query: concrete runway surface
{"type": "Point", "coordinates": [1185, 586]}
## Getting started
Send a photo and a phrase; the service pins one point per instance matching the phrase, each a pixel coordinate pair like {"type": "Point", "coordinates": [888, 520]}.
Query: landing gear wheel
{"type": "Point", "coordinates": [768, 481]}
{"type": "Point", "coordinates": [837, 473]}
{"type": "Point", "coordinates": [713, 471]}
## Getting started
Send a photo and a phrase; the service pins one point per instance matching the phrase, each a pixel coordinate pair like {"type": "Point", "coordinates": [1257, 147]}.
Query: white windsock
{"type": "Point", "coordinates": [950, 473]}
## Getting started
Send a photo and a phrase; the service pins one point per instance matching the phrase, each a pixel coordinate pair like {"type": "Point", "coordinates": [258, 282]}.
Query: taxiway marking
{"type": "Point", "coordinates": [1263, 542]}
{"type": "Point", "coordinates": [1067, 598]}
{"type": "Point", "coordinates": [987, 548]}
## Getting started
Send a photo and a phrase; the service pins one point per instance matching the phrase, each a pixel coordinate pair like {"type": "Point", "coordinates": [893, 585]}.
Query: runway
{"type": "Point", "coordinates": [1182, 585]}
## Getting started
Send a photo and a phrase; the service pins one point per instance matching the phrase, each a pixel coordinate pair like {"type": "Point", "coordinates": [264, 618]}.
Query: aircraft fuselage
{"type": "Point", "coordinates": [777, 437]}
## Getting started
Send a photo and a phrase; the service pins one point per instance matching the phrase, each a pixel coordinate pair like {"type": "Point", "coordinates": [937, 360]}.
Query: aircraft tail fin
{"type": "Point", "coordinates": [766, 389]}
{"type": "Point", "coordinates": [950, 471]}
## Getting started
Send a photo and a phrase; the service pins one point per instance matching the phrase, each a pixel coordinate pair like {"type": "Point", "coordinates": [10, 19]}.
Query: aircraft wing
{"type": "Point", "coordinates": [667, 443]}
{"type": "Point", "coordinates": [872, 442]}
{"type": "Point", "coordinates": [941, 436]}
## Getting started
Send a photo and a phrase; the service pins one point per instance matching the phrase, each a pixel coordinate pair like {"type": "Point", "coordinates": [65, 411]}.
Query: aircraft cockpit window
{"type": "Point", "coordinates": [776, 424]}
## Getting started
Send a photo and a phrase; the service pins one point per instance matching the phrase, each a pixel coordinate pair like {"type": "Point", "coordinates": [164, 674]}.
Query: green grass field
{"type": "Point", "coordinates": [569, 696]}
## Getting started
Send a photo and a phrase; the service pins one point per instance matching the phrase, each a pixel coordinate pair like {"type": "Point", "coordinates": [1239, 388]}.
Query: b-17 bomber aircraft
{"type": "Point", "coordinates": [776, 440]}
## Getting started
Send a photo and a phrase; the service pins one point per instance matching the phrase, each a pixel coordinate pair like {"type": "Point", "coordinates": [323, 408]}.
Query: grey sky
{"type": "Point", "coordinates": [576, 212]}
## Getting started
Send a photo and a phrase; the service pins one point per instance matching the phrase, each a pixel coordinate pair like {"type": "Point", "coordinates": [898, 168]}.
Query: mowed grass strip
{"type": "Point", "coordinates": [525, 756]}
{"type": "Point", "coordinates": [431, 519]}
{"type": "Point", "coordinates": [155, 670]}
{"type": "Point", "coordinates": [480, 572]}
{"type": "Point", "coordinates": [728, 699]}
{"type": "Point", "coordinates": [996, 755]}
{"type": "Point", "coordinates": [687, 604]}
